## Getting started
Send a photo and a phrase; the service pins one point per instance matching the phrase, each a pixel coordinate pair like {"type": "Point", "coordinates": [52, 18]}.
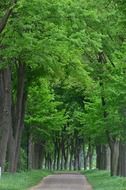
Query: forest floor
{"type": "Point", "coordinates": [64, 182]}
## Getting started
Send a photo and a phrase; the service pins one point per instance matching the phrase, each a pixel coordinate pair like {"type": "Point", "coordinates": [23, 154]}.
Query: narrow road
{"type": "Point", "coordinates": [64, 182]}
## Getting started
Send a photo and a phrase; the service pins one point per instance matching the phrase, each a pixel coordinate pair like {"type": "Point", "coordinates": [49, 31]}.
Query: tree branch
{"type": "Point", "coordinates": [4, 19]}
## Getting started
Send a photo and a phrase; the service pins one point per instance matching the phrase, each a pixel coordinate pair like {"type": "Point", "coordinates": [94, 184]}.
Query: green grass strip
{"type": "Point", "coordinates": [21, 181]}
{"type": "Point", "coordinates": [101, 180]}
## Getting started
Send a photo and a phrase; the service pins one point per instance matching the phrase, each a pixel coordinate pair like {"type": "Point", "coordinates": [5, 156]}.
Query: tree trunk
{"type": "Point", "coordinates": [70, 162]}
{"type": "Point", "coordinates": [18, 120]}
{"type": "Point", "coordinates": [49, 161]}
{"type": "Point", "coordinates": [62, 161]}
{"type": "Point", "coordinates": [66, 161]}
{"type": "Point", "coordinates": [58, 156]}
{"type": "Point", "coordinates": [30, 149]}
{"type": "Point", "coordinates": [114, 146]}
{"type": "Point", "coordinates": [37, 156]}
{"type": "Point", "coordinates": [66, 155]}
{"type": "Point", "coordinates": [75, 160]}
{"type": "Point", "coordinates": [71, 156]}
{"type": "Point", "coordinates": [78, 144]}
{"type": "Point", "coordinates": [45, 161]}
{"type": "Point", "coordinates": [103, 157]}
{"type": "Point", "coordinates": [62, 151]}
{"type": "Point", "coordinates": [90, 157]}
{"type": "Point", "coordinates": [85, 155]}
{"type": "Point", "coordinates": [5, 112]}
{"type": "Point", "coordinates": [122, 160]}
{"type": "Point", "coordinates": [55, 152]}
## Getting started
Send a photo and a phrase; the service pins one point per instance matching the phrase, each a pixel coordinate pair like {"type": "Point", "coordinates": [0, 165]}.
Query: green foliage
{"type": "Point", "coordinates": [42, 107]}
{"type": "Point", "coordinates": [22, 164]}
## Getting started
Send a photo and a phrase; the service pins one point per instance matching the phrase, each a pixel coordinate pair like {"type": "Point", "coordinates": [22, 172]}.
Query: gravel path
{"type": "Point", "coordinates": [64, 182]}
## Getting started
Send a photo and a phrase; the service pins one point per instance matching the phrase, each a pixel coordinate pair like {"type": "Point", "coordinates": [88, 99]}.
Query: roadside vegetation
{"type": "Point", "coordinates": [21, 181]}
{"type": "Point", "coordinates": [101, 180]}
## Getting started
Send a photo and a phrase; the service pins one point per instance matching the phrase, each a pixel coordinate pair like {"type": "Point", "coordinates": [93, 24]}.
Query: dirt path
{"type": "Point", "coordinates": [64, 182]}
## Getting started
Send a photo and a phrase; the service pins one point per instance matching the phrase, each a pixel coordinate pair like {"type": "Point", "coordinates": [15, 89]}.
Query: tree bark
{"type": "Point", "coordinates": [85, 156]}
{"type": "Point", "coordinates": [30, 149]}
{"type": "Point", "coordinates": [71, 156]}
{"type": "Point", "coordinates": [18, 120]}
{"type": "Point", "coordinates": [122, 159]}
{"type": "Point", "coordinates": [78, 147]}
{"type": "Point", "coordinates": [37, 155]}
{"type": "Point", "coordinates": [55, 153]}
{"type": "Point", "coordinates": [103, 157]}
{"type": "Point", "coordinates": [90, 155]}
{"type": "Point", "coordinates": [58, 155]}
{"type": "Point", "coordinates": [114, 146]}
{"type": "Point", "coordinates": [5, 112]}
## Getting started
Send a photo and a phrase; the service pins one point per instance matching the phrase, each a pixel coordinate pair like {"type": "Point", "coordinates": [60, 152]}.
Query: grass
{"type": "Point", "coordinates": [101, 180]}
{"type": "Point", "coordinates": [21, 181]}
